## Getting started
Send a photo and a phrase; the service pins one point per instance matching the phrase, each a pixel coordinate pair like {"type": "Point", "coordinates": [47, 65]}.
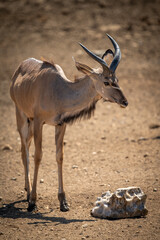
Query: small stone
{"type": "Point", "coordinates": [154, 189]}
{"type": "Point", "coordinates": [7, 147]}
{"type": "Point", "coordinates": [142, 139]}
{"type": "Point", "coordinates": [94, 153]}
{"type": "Point", "coordinates": [103, 138]}
{"type": "Point", "coordinates": [146, 155]}
{"type": "Point", "coordinates": [85, 225]}
{"type": "Point", "coordinates": [0, 198]}
{"type": "Point", "coordinates": [13, 178]}
{"type": "Point", "coordinates": [42, 180]}
{"type": "Point", "coordinates": [74, 166]}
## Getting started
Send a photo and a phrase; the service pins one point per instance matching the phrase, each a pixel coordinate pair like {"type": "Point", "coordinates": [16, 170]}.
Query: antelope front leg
{"type": "Point", "coordinates": [59, 135]}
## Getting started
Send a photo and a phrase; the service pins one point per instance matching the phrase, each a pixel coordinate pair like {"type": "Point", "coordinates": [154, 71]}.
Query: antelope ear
{"type": "Point", "coordinates": [84, 68]}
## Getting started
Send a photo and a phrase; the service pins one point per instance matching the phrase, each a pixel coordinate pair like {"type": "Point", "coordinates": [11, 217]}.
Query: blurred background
{"type": "Point", "coordinates": [52, 28]}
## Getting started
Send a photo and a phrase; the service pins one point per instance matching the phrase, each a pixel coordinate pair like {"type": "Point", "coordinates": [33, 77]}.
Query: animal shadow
{"type": "Point", "coordinates": [13, 212]}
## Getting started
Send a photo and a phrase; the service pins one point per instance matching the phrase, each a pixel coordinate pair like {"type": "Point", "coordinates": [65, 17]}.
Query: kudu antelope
{"type": "Point", "coordinates": [43, 95]}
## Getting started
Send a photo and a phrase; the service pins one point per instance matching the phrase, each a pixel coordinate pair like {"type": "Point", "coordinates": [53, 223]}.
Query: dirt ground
{"type": "Point", "coordinates": [115, 148]}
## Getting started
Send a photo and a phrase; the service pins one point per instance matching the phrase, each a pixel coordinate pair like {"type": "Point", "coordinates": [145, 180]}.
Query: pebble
{"type": "Point", "coordinates": [74, 166]}
{"type": "Point", "coordinates": [142, 139]}
{"type": "Point", "coordinates": [0, 198]}
{"type": "Point", "coordinates": [103, 138]}
{"type": "Point", "coordinates": [85, 225]}
{"type": "Point", "coordinates": [94, 153]}
{"type": "Point", "coordinates": [154, 189]}
{"type": "Point", "coordinates": [146, 155]}
{"type": "Point", "coordinates": [13, 178]}
{"type": "Point", "coordinates": [42, 180]}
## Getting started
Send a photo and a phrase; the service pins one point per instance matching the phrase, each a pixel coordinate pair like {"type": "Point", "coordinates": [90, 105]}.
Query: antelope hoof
{"type": "Point", "coordinates": [64, 206]}
{"type": "Point", "coordinates": [63, 202]}
{"type": "Point", "coordinates": [31, 207]}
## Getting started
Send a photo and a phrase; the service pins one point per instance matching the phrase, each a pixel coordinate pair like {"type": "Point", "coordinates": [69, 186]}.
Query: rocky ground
{"type": "Point", "coordinates": [116, 148]}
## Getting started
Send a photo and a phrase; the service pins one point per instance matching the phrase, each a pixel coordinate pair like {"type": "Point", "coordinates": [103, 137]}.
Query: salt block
{"type": "Point", "coordinates": [123, 203]}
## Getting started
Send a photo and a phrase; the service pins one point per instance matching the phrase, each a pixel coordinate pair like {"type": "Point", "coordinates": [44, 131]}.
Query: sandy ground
{"type": "Point", "coordinates": [116, 148]}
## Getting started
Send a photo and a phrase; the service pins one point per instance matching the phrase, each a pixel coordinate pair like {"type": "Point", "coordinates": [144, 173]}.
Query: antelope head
{"type": "Point", "coordinates": [105, 80]}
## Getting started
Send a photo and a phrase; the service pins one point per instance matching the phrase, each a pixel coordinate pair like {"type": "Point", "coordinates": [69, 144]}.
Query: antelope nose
{"type": "Point", "coordinates": [124, 103]}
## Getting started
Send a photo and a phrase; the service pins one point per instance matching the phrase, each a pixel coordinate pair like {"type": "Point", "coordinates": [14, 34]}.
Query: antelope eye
{"type": "Point", "coordinates": [106, 83]}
